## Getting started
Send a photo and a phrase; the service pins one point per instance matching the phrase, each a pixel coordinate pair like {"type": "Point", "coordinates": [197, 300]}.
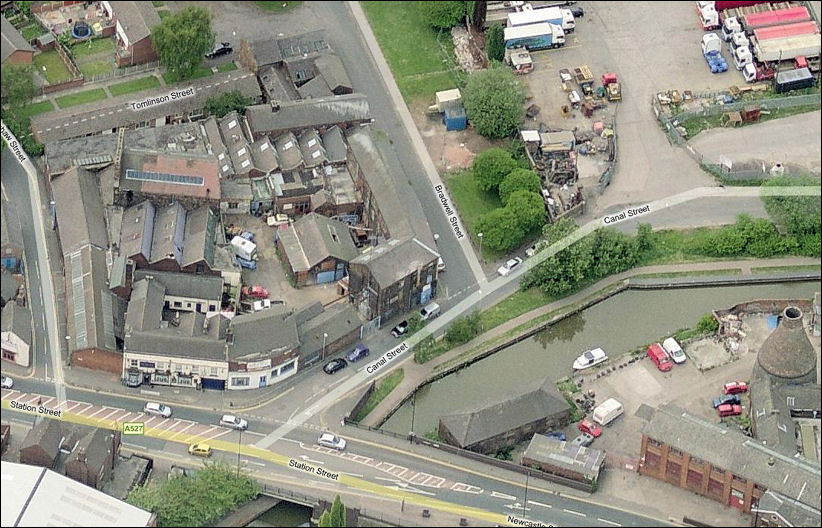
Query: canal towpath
{"type": "Point", "coordinates": [416, 374]}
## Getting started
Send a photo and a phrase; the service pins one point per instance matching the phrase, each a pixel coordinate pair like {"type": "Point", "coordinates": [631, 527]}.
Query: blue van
{"type": "Point", "coordinates": [248, 264]}
{"type": "Point", "coordinates": [359, 352]}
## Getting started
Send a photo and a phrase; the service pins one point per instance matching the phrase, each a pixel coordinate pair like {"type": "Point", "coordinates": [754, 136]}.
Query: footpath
{"type": "Point", "coordinates": [416, 374]}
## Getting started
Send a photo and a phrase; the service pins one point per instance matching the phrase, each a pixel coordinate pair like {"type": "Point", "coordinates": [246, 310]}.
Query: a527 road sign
{"type": "Point", "coordinates": [133, 428]}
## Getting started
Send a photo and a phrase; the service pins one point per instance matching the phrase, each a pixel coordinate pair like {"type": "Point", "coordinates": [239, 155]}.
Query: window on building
{"type": "Point", "coordinates": [287, 367]}
{"type": "Point", "coordinates": [275, 373]}
{"type": "Point", "coordinates": [239, 382]}
{"type": "Point", "coordinates": [133, 362]}
{"type": "Point", "coordinates": [213, 371]}
{"type": "Point", "coordinates": [716, 469]}
{"type": "Point", "coordinates": [233, 205]}
{"type": "Point", "coordinates": [653, 442]}
{"type": "Point", "coordinates": [675, 451]}
{"type": "Point", "coordinates": [178, 304]}
{"type": "Point", "coordinates": [195, 369]}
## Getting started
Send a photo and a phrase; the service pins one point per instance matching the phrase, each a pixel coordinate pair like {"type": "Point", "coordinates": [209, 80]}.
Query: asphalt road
{"type": "Point", "coordinates": [16, 189]}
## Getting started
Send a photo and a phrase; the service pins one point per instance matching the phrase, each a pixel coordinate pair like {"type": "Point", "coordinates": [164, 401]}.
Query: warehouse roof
{"type": "Point", "coordinates": [191, 285]}
{"type": "Point", "coordinates": [396, 259]}
{"type": "Point", "coordinates": [551, 451]}
{"type": "Point", "coordinates": [92, 311]}
{"type": "Point", "coordinates": [261, 333]}
{"type": "Point", "coordinates": [308, 113]}
{"type": "Point", "coordinates": [80, 215]}
{"type": "Point", "coordinates": [314, 238]}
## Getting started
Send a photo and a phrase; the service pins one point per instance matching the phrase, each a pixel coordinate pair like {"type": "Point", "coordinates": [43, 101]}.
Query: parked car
{"type": "Point", "coordinates": [331, 440]}
{"type": "Point", "coordinates": [400, 329]}
{"type": "Point", "coordinates": [157, 409]}
{"type": "Point", "coordinates": [660, 357]}
{"type": "Point", "coordinates": [360, 351]}
{"type": "Point", "coordinates": [531, 251]}
{"type": "Point", "coordinates": [577, 11]}
{"type": "Point", "coordinates": [587, 426]}
{"type": "Point", "coordinates": [509, 266]}
{"type": "Point", "coordinates": [729, 410]}
{"type": "Point", "coordinates": [255, 292]}
{"type": "Point", "coordinates": [259, 306]}
{"type": "Point", "coordinates": [732, 399]}
{"type": "Point", "coordinates": [674, 350]}
{"type": "Point", "coordinates": [430, 311]}
{"type": "Point", "coordinates": [334, 365]}
{"type": "Point", "coordinates": [247, 264]}
{"type": "Point", "coordinates": [235, 422]}
{"type": "Point", "coordinates": [202, 450]}
{"type": "Point", "coordinates": [248, 235]}
{"type": "Point", "coordinates": [223, 48]}
{"type": "Point", "coordinates": [583, 440]}
{"type": "Point", "coordinates": [557, 435]}
{"type": "Point", "coordinates": [7, 382]}
{"type": "Point", "coordinates": [735, 387]}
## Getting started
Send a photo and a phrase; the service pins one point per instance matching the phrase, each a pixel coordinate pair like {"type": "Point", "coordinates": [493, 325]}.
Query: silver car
{"type": "Point", "coordinates": [331, 440]}
{"type": "Point", "coordinates": [234, 422]}
{"type": "Point", "coordinates": [157, 409]}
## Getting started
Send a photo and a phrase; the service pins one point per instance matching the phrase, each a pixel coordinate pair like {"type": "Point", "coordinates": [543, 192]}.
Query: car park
{"type": "Point", "coordinates": [331, 440]}
{"type": "Point", "coordinates": [360, 351]}
{"type": "Point", "coordinates": [587, 426]}
{"type": "Point", "coordinates": [157, 409]}
{"type": "Point", "coordinates": [735, 387]}
{"type": "Point", "coordinates": [430, 311]}
{"type": "Point", "coordinates": [201, 450]}
{"type": "Point", "coordinates": [334, 365]}
{"type": "Point", "coordinates": [223, 48]}
{"type": "Point", "coordinates": [583, 440]}
{"type": "Point", "coordinates": [729, 410]}
{"type": "Point", "coordinates": [509, 266]}
{"type": "Point", "coordinates": [400, 329]}
{"type": "Point", "coordinates": [7, 382]}
{"type": "Point", "coordinates": [732, 399]}
{"type": "Point", "coordinates": [234, 422]}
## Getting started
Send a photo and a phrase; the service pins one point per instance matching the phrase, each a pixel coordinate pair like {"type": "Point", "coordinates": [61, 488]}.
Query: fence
{"type": "Point", "coordinates": [608, 174]}
{"type": "Point", "coordinates": [124, 72]}
{"type": "Point", "coordinates": [355, 411]}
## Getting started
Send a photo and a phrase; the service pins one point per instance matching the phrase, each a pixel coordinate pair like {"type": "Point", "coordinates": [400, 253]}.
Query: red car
{"type": "Point", "coordinates": [729, 410]}
{"type": "Point", "coordinates": [587, 426]}
{"type": "Point", "coordinates": [735, 387]}
{"type": "Point", "coordinates": [255, 292]}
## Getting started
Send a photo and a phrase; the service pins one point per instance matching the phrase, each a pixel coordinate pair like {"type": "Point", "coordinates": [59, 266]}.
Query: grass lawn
{"type": "Point", "coordinates": [56, 71]}
{"type": "Point", "coordinates": [163, 13]}
{"type": "Point", "coordinates": [81, 98]}
{"type": "Point", "coordinates": [411, 48]}
{"type": "Point", "coordinates": [36, 108]}
{"type": "Point", "coordinates": [383, 389]}
{"type": "Point", "coordinates": [99, 67]}
{"type": "Point", "coordinates": [135, 85]}
{"type": "Point", "coordinates": [226, 67]}
{"type": "Point", "coordinates": [32, 31]}
{"type": "Point", "coordinates": [513, 306]}
{"type": "Point", "coordinates": [277, 6]}
{"type": "Point", "coordinates": [93, 47]}
{"type": "Point", "coordinates": [471, 203]}
{"type": "Point", "coordinates": [199, 73]}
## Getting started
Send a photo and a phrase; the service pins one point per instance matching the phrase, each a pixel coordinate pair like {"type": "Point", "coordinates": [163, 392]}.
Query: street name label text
{"type": "Point", "coordinates": [308, 468]}
{"type": "Point", "coordinates": [628, 213]}
{"type": "Point", "coordinates": [517, 521]}
{"type": "Point", "coordinates": [14, 145]}
{"type": "Point", "coordinates": [42, 409]}
{"type": "Point", "coordinates": [449, 212]}
{"type": "Point", "coordinates": [387, 358]}
{"type": "Point", "coordinates": [173, 95]}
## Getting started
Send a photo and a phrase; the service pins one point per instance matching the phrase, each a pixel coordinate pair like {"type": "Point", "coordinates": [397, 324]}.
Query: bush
{"type": "Point", "coordinates": [490, 168]}
{"type": "Point", "coordinates": [501, 229]}
{"type": "Point", "coordinates": [21, 128]}
{"type": "Point", "coordinates": [493, 101]}
{"type": "Point", "coordinates": [494, 43]}
{"type": "Point", "coordinates": [224, 104]}
{"type": "Point", "coordinates": [519, 180]}
{"type": "Point", "coordinates": [442, 15]}
{"type": "Point", "coordinates": [528, 208]}
{"type": "Point", "coordinates": [797, 215]}
{"type": "Point", "coordinates": [707, 325]}
{"type": "Point", "coordinates": [463, 329]}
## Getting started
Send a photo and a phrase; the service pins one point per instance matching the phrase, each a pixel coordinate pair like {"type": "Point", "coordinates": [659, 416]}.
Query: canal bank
{"type": "Point", "coordinates": [555, 314]}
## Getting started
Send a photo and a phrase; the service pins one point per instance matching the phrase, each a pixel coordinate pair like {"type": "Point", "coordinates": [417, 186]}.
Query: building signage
{"type": "Point", "coordinates": [134, 428]}
{"type": "Point", "coordinates": [257, 365]}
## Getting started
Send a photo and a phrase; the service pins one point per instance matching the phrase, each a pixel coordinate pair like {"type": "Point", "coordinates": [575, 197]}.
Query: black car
{"type": "Point", "coordinates": [224, 48]}
{"type": "Point", "coordinates": [732, 399]}
{"type": "Point", "coordinates": [334, 365]}
{"type": "Point", "coordinates": [400, 329]}
{"type": "Point", "coordinates": [577, 11]}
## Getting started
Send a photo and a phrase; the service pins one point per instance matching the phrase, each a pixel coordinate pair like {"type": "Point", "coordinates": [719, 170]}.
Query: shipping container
{"type": "Point", "coordinates": [797, 79]}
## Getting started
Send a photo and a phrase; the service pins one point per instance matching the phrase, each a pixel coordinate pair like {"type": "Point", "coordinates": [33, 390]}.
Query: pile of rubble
{"type": "Point", "coordinates": [469, 56]}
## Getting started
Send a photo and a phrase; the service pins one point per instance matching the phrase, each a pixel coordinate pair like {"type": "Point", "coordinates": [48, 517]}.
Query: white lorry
{"type": "Point", "coordinates": [243, 248]}
{"type": "Point", "coordinates": [607, 411]}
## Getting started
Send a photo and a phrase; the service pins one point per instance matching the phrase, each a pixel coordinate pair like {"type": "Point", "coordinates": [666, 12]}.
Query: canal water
{"type": "Point", "coordinates": [284, 514]}
{"type": "Point", "coordinates": [618, 325]}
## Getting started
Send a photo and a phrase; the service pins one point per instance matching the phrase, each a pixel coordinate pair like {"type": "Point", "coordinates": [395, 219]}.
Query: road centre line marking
{"type": "Point", "coordinates": [505, 496]}
{"type": "Point", "coordinates": [535, 503]}
{"type": "Point", "coordinates": [572, 512]}
{"type": "Point", "coordinates": [606, 521]}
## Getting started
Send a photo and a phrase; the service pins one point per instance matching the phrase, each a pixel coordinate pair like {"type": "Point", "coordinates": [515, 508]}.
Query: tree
{"type": "Point", "coordinates": [464, 329]}
{"type": "Point", "coordinates": [224, 104]}
{"type": "Point", "coordinates": [501, 229]}
{"type": "Point", "coordinates": [480, 10]}
{"type": "Point", "coordinates": [494, 43]}
{"type": "Point", "coordinates": [644, 237]}
{"type": "Point", "coordinates": [529, 209]}
{"type": "Point", "coordinates": [338, 517]}
{"type": "Point", "coordinates": [182, 40]}
{"type": "Point", "coordinates": [519, 180]}
{"type": "Point", "coordinates": [493, 101]}
{"type": "Point", "coordinates": [612, 252]}
{"type": "Point", "coordinates": [442, 15]}
{"type": "Point", "coordinates": [325, 520]}
{"type": "Point", "coordinates": [490, 167]}
{"type": "Point", "coordinates": [17, 87]}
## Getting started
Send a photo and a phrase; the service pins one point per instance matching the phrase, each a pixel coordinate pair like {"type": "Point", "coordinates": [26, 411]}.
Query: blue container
{"type": "Point", "coordinates": [455, 118]}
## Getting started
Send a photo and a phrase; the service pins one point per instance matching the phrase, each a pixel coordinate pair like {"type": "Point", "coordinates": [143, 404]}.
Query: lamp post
{"type": "Point", "coordinates": [525, 500]}
{"type": "Point", "coordinates": [325, 336]}
{"type": "Point", "coordinates": [413, 414]}
{"type": "Point", "coordinates": [239, 446]}
{"type": "Point", "coordinates": [479, 235]}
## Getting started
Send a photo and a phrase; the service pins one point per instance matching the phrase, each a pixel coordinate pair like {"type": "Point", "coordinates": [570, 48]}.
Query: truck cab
{"type": "Point", "coordinates": [742, 57]}
{"type": "Point", "coordinates": [730, 26]}
{"type": "Point", "coordinates": [708, 17]}
{"type": "Point", "coordinates": [740, 40]}
{"type": "Point", "coordinates": [755, 73]}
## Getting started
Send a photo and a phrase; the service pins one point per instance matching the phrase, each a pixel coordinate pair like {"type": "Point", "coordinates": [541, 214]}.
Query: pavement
{"type": "Point", "coordinates": [416, 374]}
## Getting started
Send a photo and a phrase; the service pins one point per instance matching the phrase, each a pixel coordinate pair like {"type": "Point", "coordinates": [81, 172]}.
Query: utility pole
{"type": "Point", "coordinates": [413, 412]}
{"type": "Point", "coordinates": [479, 235]}
{"type": "Point", "coordinates": [525, 500]}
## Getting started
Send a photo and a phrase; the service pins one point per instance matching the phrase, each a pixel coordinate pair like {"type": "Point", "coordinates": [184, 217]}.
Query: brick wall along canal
{"type": "Point", "coordinates": [618, 324]}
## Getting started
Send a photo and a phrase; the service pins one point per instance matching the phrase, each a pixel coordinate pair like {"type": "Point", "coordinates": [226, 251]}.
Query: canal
{"type": "Point", "coordinates": [618, 325]}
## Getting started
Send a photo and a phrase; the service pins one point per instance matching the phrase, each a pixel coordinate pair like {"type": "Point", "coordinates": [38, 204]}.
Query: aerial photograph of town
{"type": "Point", "coordinates": [411, 263]}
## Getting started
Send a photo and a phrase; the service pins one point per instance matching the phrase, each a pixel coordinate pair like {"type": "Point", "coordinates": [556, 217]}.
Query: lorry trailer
{"type": "Point", "coordinates": [552, 15]}
{"type": "Point", "coordinates": [534, 36]}
{"type": "Point", "coordinates": [788, 30]}
{"type": "Point", "coordinates": [786, 48]}
{"type": "Point", "coordinates": [777, 17]}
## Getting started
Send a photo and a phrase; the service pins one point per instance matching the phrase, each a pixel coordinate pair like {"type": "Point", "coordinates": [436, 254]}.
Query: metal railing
{"type": "Point", "coordinates": [124, 72]}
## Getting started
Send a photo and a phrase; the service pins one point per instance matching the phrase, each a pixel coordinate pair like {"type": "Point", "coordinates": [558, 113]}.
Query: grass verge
{"type": "Point", "coordinates": [472, 202]}
{"type": "Point", "coordinates": [679, 274]}
{"type": "Point", "coordinates": [383, 389]}
{"type": "Point", "coordinates": [36, 108]}
{"type": "Point", "coordinates": [199, 73]}
{"type": "Point", "coordinates": [135, 85]}
{"type": "Point", "coordinates": [770, 269]}
{"type": "Point", "coordinates": [226, 67]}
{"type": "Point", "coordinates": [55, 70]}
{"type": "Point", "coordinates": [411, 49]}
{"type": "Point", "coordinates": [277, 7]}
{"type": "Point", "coordinates": [79, 98]}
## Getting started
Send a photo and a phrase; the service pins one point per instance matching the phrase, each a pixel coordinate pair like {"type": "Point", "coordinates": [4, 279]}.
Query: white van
{"type": "Point", "coordinates": [674, 350]}
{"type": "Point", "coordinates": [430, 311]}
{"type": "Point", "coordinates": [607, 411]}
